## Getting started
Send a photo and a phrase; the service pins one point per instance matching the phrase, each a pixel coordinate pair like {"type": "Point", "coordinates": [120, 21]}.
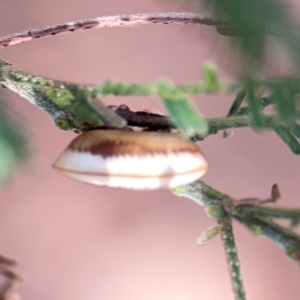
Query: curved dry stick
{"type": "Point", "coordinates": [108, 21]}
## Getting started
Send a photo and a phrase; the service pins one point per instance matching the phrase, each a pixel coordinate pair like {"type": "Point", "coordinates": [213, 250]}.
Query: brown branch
{"type": "Point", "coordinates": [144, 119]}
{"type": "Point", "coordinates": [150, 120]}
{"type": "Point", "coordinates": [108, 21]}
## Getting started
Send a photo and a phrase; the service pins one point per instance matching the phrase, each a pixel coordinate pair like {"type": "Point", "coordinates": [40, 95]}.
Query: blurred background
{"type": "Point", "coordinates": [75, 241]}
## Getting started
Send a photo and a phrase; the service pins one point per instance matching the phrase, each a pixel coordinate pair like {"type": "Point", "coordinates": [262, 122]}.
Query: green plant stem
{"type": "Point", "coordinates": [266, 211]}
{"type": "Point", "coordinates": [112, 88]}
{"type": "Point", "coordinates": [269, 122]}
{"type": "Point", "coordinates": [232, 258]}
{"type": "Point", "coordinates": [216, 203]}
{"type": "Point", "coordinates": [216, 124]}
{"type": "Point", "coordinates": [199, 192]}
{"type": "Point", "coordinates": [64, 102]}
{"type": "Point", "coordinates": [237, 102]}
{"type": "Point", "coordinates": [288, 138]}
{"type": "Point", "coordinates": [156, 121]}
{"type": "Point", "coordinates": [73, 106]}
{"type": "Point", "coordinates": [275, 232]}
{"type": "Point", "coordinates": [264, 102]}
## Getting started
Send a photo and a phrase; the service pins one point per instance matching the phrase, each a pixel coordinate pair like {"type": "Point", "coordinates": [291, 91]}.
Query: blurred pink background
{"type": "Point", "coordinates": [75, 241]}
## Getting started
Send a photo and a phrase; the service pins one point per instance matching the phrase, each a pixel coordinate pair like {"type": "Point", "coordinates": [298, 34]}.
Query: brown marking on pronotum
{"type": "Point", "coordinates": [115, 143]}
{"type": "Point", "coordinates": [109, 150]}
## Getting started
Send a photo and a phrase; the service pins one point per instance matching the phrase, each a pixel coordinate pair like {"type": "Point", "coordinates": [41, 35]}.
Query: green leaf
{"type": "Point", "coordinates": [210, 77]}
{"type": "Point", "coordinates": [254, 105]}
{"type": "Point", "coordinates": [296, 130]}
{"type": "Point", "coordinates": [237, 102]}
{"type": "Point", "coordinates": [288, 139]}
{"type": "Point", "coordinates": [284, 96]}
{"type": "Point", "coordinates": [209, 235]}
{"type": "Point", "coordinates": [182, 112]}
{"type": "Point", "coordinates": [77, 105]}
{"type": "Point", "coordinates": [13, 145]}
{"type": "Point", "coordinates": [7, 160]}
{"type": "Point", "coordinates": [106, 114]}
{"type": "Point", "coordinates": [264, 102]}
{"type": "Point", "coordinates": [247, 23]}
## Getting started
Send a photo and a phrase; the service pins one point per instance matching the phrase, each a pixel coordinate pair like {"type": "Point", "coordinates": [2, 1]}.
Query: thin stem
{"type": "Point", "coordinates": [112, 88]}
{"type": "Point", "coordinates": [232, 258]}
{"type": "Point", "coordinates": [277, 233]}
{"type": "Point", "coordinates": [237, 102]}
{"type": "Point", "coordinates": [264, 102]}
{"type": "Point", "coordinates": [216, 203]}
{"type": "Point", "coordinates": [124, 20]}
{"type": "Point", "coordinates": [267, 211]}
{"type": "Point", "coordinates": [199, 192]}
{"type": "Point", "coordinates": [216, 124]}
{"type": "Point", "coordinates": [158, 121]}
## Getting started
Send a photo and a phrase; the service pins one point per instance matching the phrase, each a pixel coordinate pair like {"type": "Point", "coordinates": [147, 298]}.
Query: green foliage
{"type": "Point", "coordinates": [63, 123]}
{"type": "Point", "coordinates": [64, 101]}
{"type": "Point", "coordinates": [214, 210]}
{"type": "Point", "coordinates": [120, 89]}
{"type": "Point", "coordinates": [210, 77]}
{"type": "Point", "coordinates": [209, 235]}
{"type": "Point", "coordinates": [252, 28]}
{"type": "Point", "coordinates": [248, 24]}
{"type": "Point", "coordinates": [13, 144]}
{"type": "Point", "coordinates": [288, 138]}
{"type": "Point", "coordinates": [183, 114]}
{"type": "Point", "coordinates": [254, 104]}
{"type": "Point", "coordinates": [88, 107]}
{"type": "Point", "coordinates": [237, 102]}
{"type": "Point", "coordinates": [259, 219]}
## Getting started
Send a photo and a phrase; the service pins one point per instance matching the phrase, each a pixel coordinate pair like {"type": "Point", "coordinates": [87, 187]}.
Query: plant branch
{"type": "Point", "coordinates": [285, 237]}
{"type": "Point", "coordinates": [112, 88]}
{"type": "Point", "coordinates": [251, 210]}
{"type": "Point", "coordinates": [215, 203]}
{"type": "Point", "coordinates": [232, 258]}
{"type": "Point", "coordinates": [66, 103]}
{"type": "Point", "coordinates": [124, 20]}
{"type": "Point", "coordinates": [74, 106]}
{"type": "Point", "coordinates": [159, 121]}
